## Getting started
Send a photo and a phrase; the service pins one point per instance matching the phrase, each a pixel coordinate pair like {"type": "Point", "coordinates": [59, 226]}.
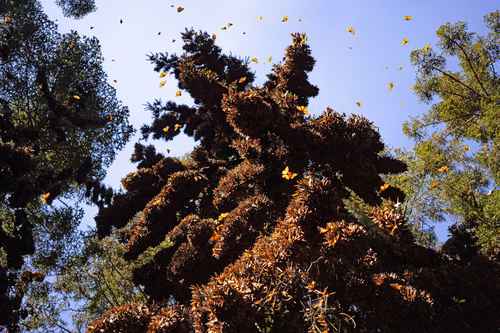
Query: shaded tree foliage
{"type": "Point", "coordinates": [92, 279]}
{"type": "Point", "coordinates": [60, 128]}
{"type": "Point", "coordinates": [252, 233]}
{"type": "Point", "coordinates": [77, 8]}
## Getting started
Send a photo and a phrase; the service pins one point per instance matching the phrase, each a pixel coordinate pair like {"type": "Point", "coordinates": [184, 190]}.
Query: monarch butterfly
{"type": "Point", "coordinates": [384, 187]}
{"type": "Point", "coordinates": [443, 169]}
{"type": "Point", "coordinates": [215, 237]}
{"type": "Point", "coordinates": [45, 197]}
{"type": "Point", "coordinates": [350, 29]}
{"type": "Point", "coordinates": [407, 17]}
{"type": "Point", "coordinates": [287, 174]}
{"type": "Point", "coordinates": [284, 19]}
{"type": "Point", "coordinates": [311, 285]}
{"type": "Point", "coordinates": [405, 41]}
{"type": "Point", "coordinates": [303, 109]}
{"type": "Point", "coordinates": [222, 216]}
{"type": "Point", "coordinates": [396, 286]}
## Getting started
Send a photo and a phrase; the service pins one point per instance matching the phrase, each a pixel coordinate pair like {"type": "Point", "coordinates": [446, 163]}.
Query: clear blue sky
{"type": "Point", "coordinates": [349, 68]}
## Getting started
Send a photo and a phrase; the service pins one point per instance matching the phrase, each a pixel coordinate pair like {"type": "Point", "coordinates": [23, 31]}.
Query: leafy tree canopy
{"type": "Point", "coordinates": [60, 128]}
{"type": "Point", "coordinates": [455, 168]}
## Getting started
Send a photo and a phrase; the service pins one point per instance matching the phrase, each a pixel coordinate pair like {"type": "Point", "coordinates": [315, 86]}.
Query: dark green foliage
{"type": "Point", "coordinates": [77, 8]}
{"type": "Point", "coordinates": [60, 128]}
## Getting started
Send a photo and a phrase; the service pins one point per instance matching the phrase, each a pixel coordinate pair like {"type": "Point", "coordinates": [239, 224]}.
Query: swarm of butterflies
{"type": "Point", "coordinates": [287, 173]}
{"type": "Point", "coordinates": [350, 29]}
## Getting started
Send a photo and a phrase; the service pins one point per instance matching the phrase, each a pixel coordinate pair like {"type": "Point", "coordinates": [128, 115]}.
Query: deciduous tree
{"type": "Point", "coordinates": [455, 166]}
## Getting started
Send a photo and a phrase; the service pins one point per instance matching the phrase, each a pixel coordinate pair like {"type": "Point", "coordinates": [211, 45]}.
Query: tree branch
{"type": "Point", "coordinates": [448, 75]}
{"type": "Point", "coordinates": [470, 65]}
